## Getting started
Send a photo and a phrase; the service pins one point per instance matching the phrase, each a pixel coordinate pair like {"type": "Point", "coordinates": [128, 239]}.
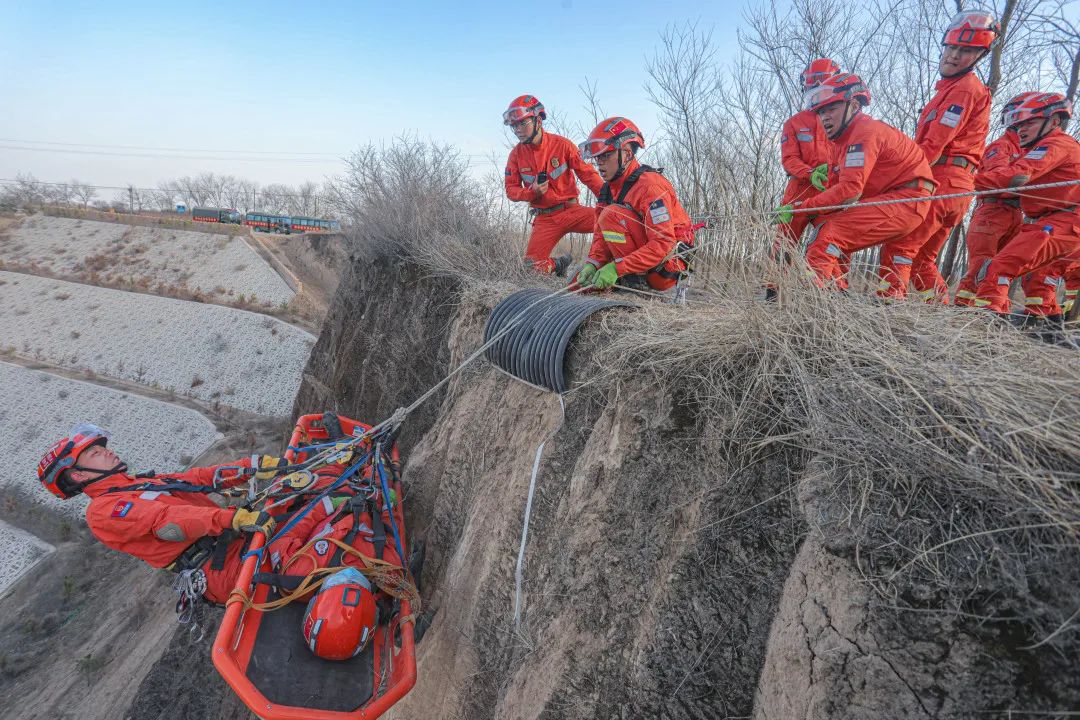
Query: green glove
{"type": "Point", "coordinates": [783, 215]}
{"type": "Point", "coordinates": [820, 177]}
{"type": "Point", "coordinates": [605, 277]}
{"type": "Point", "coordinates": [584, 274]}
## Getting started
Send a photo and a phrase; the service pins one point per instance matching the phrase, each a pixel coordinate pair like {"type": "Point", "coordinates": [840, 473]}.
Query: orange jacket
{"type": "Point", "coordinates": [955, 122]}
{"type": "Point", "coordinates": [1055, 158]}
{"type": "Point", "coordinates": [870, 158]}
{"type": "Point", "coordinates": [1001, 152]}
{"type": "Point", "coordinates": [639, 240]}
{"type": "Point", "coordinates": [557, 156]}
{"type": "Point", "coordinates": [138, 522]}
{"type": "Point", "coordinates": [804, 145]}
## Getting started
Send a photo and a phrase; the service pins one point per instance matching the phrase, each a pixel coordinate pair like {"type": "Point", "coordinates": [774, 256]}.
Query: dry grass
{"type": "Point", "coordinates": [940, 444]}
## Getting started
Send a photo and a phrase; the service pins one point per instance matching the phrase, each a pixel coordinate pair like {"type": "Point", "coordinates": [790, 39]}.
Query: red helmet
{"type": "Point", "coordinates": [523, 107]}
{"type": "Point", "coordinates": [340, 620]}
{"type": "Point", "coordinates": [817, 71]}
{"type": "Point", "coordinates": [837, 88]}
{"type": "Point", "coordinates": [1036, 105]}
{"type": "Point", "coordinates": [62, 456]}
{"type": "Point", "coordinates": [612, 134]}
{"type": "Point", "coordinates": [972, 28]}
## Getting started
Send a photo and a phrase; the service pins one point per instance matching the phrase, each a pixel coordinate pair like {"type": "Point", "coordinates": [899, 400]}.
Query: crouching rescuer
{"type": "Point", "coordinates": [198, 524]}
{"type": "Point", "coordinates": [643, 235]}
{"type": "Point", "coordinates": [873, 162]}
{"type": "Point", "coordinates": [541, 170]}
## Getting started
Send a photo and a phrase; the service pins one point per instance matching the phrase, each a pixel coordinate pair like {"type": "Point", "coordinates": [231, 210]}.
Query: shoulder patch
{"type": "Point", "coordinates": [121, 509]}
{"type": "Point", "coordinates": [658, 211]}
{"type": "Point", "coordinates": [783, 139]}
{"type": "Point", "coordinates": [990, 154]}
{"type": "Point", "coordinates": [509, 172]}
{"type": "Point", "coordinates": [1038, 153]}
{"type": "Point", "coordinates": [952, 115]}
{"type": "Point", "coordinates": [855, 157]}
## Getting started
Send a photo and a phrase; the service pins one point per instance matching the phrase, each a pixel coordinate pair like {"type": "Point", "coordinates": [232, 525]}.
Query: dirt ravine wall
{"type": "Point", "coordinates": [664, 577]}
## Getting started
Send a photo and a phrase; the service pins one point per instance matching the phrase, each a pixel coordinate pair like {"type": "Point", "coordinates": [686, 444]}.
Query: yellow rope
{"type": "Point", "coordinates": [391, 579]}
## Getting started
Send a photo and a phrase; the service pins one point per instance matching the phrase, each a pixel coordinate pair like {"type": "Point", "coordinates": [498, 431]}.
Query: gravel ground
{"type": "Point", "coordinates": [220, 266]}
{"type": "Point", "coordinates": [213, 353]}
{"type": "Point", "coordinates": [39, 408]}
{"type": "Point", "coordinates": [19, 551]}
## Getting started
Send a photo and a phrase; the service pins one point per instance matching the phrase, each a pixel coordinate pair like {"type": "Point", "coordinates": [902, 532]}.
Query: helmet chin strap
{"type": "Point", "coordinates": [622, 166]}
{"type": "Point", "coordinates": [101, 474]}
{"type": "Point", "coordinates": [847, 120]}
{"type": "Point", "coordinates": [968, 69]}
{"type": "Point", "coordinates": [1043, 132]}
{"type": "Point", "coordinates": [535, 132]}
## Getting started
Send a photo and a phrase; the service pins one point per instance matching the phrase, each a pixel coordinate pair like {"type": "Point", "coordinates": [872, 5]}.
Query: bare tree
{"type": "Point", "coordinates": [82, 192]}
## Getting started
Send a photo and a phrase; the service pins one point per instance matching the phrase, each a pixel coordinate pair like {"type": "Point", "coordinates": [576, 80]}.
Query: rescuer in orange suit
{"type": "Point", "coordinates": [541, 170]}
{"type": "Point", "coordinates": [641, 226]}
{"type": "Point", "coordinates": [872, 161]}
{"type": "Point", "coordinates": [952, 133]}
{"type": "Point", "coordinates": [1051, 230]}
{"type": "Point", "coordinates": [996, 219]}
{"type": "Point", "coordinates": [805, 152]}
{"type": "Point", "coordinates": [178, 521]}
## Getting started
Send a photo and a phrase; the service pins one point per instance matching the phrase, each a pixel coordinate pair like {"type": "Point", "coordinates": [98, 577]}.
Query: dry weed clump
{"type": "Point", "coordinates": [940, 444]}
{"type": "Point", "coordinates": [417, 201]}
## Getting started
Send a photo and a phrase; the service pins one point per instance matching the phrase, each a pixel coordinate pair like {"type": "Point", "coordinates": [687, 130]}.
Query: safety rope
{"type": "Point", "coordinates": [388, 577]}
{"type": "Point", "coordinates": [518, 572]}
{"type": "Point", "coordinates": [922, 198]}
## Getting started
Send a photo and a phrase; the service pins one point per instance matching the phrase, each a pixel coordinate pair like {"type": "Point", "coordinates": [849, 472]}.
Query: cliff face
{"type": "Point", "coordinates": [664, 575]}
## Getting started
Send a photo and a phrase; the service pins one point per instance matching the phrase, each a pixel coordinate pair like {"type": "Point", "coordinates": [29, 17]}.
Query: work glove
{"type": "Point", "coordinates": [253, 521]}
{"type": "Point", "coordinates": [819, 178]}
{"type": "Point", "coordinates": [782, 215]}
{"type": "Point", "coordinates": [605, 277]}
{"type": "Point", "coordinates": [267, 465]}
{"type": "Point", "coordinates": [584, 274]}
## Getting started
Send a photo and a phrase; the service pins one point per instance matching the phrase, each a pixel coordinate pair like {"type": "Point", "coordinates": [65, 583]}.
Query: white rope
{"type": "Point", "coordinates": [518, 574]}
{"type": "Point", "coordinates": [922, 198]}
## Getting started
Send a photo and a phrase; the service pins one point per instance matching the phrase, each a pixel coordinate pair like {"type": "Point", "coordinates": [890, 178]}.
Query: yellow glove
{"type": "Point", "coordinates": [267, 465]}
{"type": "Point", "coordinates": [253, 521]}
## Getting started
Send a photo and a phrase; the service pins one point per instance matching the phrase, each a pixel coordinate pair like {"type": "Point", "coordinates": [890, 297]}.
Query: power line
{"type": "Point", "coordinates": [108, 149]}
{"type": "Point", "coordinates": [167, 149]}
{"type": "Point", "coordinates": [113, 153]}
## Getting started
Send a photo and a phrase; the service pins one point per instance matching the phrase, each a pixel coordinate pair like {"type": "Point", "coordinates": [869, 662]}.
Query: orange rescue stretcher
{"type": "Point", "coordinates": [263, 656]}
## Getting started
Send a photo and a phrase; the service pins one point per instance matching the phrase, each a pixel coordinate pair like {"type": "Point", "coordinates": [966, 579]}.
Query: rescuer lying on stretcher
{"type": "Point", "coordinates": [189, 522]}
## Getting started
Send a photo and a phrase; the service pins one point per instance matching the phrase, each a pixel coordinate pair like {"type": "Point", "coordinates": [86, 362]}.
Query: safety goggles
{"type": "Point", "coordinates": [596, 150]}
{"type": "Point", "coordinates": [516, 115]}
{"type": "Point", "coordinates": [818, 97]}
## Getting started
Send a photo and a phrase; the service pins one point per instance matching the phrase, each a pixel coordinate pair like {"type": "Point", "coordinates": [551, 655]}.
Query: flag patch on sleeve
{"type": "Point", "coordinates": [952, 115]}
{"type": "Point", "coordinates": [990, 154]}
{"type": "Point", "coordinates": [855, 157]}
{"type": "Point", "coordinates": [121, 509]}
{"type": "Point", "coordinates": [508, 172]}
{"type": "Point", "coordinates": [658, 211]}
{"type": "Point", "coordinates": [1038, 153]}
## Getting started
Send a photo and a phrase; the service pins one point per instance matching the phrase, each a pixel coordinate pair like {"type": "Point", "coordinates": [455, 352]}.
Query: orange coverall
{"type": "Point", "coordinates": [641, 235]}
{"type": "Point", "coordinates": [557, 211]}
{"type": "Point", "coordinates": [872, 161]}
{"type": "Point", "coordinates": [138, 522]}
{"type": "Point", "coordinates": [996, 219]}
{"type": "Point", "coordinates": [951, 132]}
{"type": "Point", "coordinates": [803, 146]}
{"type": "Point", "coordinates": [1051, 230]}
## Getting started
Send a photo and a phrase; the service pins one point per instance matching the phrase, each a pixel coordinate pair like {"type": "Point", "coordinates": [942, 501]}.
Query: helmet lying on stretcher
{"type": "Point", "coordinates": [341, 618]}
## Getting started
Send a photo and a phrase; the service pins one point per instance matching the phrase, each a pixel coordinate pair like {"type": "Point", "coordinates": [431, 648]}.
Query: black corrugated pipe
{"type": "Point", "coordinates": [534, 350]}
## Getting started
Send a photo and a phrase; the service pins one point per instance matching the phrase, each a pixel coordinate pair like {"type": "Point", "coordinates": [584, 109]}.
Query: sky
{"type": "Point", "coordinates": [117, 93]}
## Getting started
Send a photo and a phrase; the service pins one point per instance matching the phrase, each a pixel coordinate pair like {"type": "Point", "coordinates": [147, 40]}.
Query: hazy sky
{"type": "Point", "coordinates": [113, 84]}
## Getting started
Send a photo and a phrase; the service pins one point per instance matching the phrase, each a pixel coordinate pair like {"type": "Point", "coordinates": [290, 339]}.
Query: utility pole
{"type": "Point", "coordinates": [253, 208]}
{"type": "Point", "coordinates": [131, 199]}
